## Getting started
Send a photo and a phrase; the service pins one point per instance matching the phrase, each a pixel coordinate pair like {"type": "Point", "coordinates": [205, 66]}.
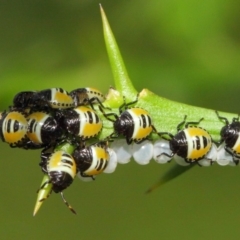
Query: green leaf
{"type": "Point", "coordinates": [174, 172]}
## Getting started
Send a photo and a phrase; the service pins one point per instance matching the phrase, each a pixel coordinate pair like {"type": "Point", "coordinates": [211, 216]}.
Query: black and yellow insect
{"type": "Point", "coordinates": [91, 160]}
{"type": "Point", "coordinates": [192, 143]}
{"type": "Point", "coordinates": [61, 169]}
{"type": "Point", "coordinates": [87, 96]}
{"type": "Point", "coordinates": [13, 128]}
{"type": "Point", "coordinates": [230, 135]}
{"type": "Point", "coordinates": [24, 100]}
{"type": "Point", "coordinates": [135, 124]}
{"type": "Point", "coordinates": [56, 98]}
{"type": "Point", "coordinates": [43, 130]}
{"type": "Point", "coordinates": [82, 122]}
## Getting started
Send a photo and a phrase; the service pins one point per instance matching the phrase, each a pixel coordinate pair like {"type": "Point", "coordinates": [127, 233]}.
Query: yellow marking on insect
{"type": "Point", "coordinates": [33, 137]}
{"type": "Point", "coordinates": [198, 136]}
{"type": "Point", "coordinates": [102, 157]}
{"type": "Point", "coordinates": [94, 172]}
{"type": "Point", "coordinates": [143, 132]}
{"type": "Point", "coordinates": [83, 109]}
{"type": "Point", "coordinates": [139, 111]}
{"type": "Point", "coordinates": [55, 160]}
{"type": "Point", "coordinates": [91, 129]}
{"type": "Point", "coordinates": [14, 137]}
{"type": "Point", "coordinates": [194, 131]}
{"type": "Point", "coordinates": [38, 116]}
{"type": "Point", "coordinates": [63, 97]}
{"type": "Point", "coordinates": [17, 116]}
{"type": "Point", "coordinates": [74, 168]}
{"type": "Point", "coordinates": [101, 153]}
{"type": "Point", "coordinates": [199, 153]}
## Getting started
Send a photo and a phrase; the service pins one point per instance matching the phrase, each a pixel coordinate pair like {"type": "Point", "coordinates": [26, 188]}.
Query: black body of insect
{"type": "Point", "coordinates": [91, 160]}
{"type": "Point", "coordinates": [61, 170]}
{"type": "Point", "coordinates": [24, 100]}
{"type": "Point", "coordinates": [192, 143]}
{"type": "Point", "coordinates": [43, 130]}
{"type": "Point", "coordinates": [13, 128]}
{"type": "Point", "coordinates": [80, 123]}
{"type": "Point", "coordinates": [230, 135]}
{"type": "Point", "coordinates": [87, 96]}
{"type": "Point", "coordinates": [135, 124]}
{"type": "Point", "coordinates": [53, 98]}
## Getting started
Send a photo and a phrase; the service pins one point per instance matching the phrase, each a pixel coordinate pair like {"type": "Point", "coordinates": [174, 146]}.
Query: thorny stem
{"type": "Point", "coordinates": [166, 114]}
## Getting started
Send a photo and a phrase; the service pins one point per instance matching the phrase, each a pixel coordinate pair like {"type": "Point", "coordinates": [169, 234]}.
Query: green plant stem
{"type": "Point", "coordinates": [166, 114]}
{"type": "Point", "coordinates": [122, 80]}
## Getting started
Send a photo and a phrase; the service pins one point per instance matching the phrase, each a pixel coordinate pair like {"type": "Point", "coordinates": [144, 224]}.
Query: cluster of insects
{"type": "Point", "coordinates": [191, 144]}
{"type": "Point", "coordinates": [44, 119]}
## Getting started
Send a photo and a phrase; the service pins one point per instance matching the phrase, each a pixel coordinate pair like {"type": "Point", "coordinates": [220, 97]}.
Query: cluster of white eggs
{"type": "Point", "coordinates": [122, 153]}
{"type": "Point", "coordinates": [146, 151]}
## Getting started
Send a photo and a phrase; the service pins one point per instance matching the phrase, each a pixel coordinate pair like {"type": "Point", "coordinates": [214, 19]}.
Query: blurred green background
{"type": "Point", "coordinates": [187, 51]}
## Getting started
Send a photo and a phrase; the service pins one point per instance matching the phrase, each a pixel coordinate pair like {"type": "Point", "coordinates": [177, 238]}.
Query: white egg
{"type": "Point", "coordinates": [210, 157]}
{"type": "Point", "coordinates": [159, 147]}
{"type": "Point", "coordinates": [112, 163]}
{"type": "Point", "coordinates": [142, 152]}
{"type": "Point", "coordinates": [223, 157]}
{"type": "Point", "coordinates": [180, 161]}
{"type": "Point", "coordinates": [122, 150]}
